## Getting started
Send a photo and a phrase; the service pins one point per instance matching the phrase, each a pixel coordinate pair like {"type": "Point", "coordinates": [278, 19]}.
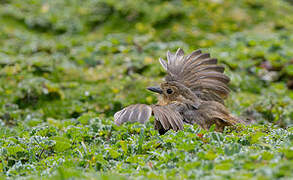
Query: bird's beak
{"type": "Point", "coordinates": [156, 89]}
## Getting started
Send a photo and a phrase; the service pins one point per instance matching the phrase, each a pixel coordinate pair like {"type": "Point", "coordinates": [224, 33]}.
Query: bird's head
{"type": "Point", "coordinates": [169, 91]}
{"type": "Point", "coordinates": [173, 91]}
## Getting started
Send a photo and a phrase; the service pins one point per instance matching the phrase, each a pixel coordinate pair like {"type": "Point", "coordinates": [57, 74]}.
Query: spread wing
{"type": "Point", "coordinates": [198, 72]}
{"type": "Point", "coordinates": [133, 113]}
{"type": "Point", "coordinates": [168, 117]}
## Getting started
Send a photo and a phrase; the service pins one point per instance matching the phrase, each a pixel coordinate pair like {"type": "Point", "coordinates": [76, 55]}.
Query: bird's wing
{"type": "Point", "coordinates": [166, 115]}
{"type": "Point", "coordinates": [133, 113]}
{"type": "Point", "coordinates": [198, 72]}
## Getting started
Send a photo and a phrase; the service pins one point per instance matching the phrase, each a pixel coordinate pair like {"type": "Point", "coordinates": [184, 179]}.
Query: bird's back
{"type": "Point", "coordinates": [208, 113]}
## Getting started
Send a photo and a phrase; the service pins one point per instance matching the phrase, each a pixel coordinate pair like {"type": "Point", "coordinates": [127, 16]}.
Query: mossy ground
{"type": "Point", "coordinates": [68, 66]}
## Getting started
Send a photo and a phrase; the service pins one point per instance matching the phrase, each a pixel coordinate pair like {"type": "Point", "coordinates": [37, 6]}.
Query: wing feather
{"type": "Point", "coordinates": [133, 113]}
{"type": "Point", "coordinates": [168, 117]}
{"type": "Point", "coordinates": [163, 63]}
{"type": "Point", "coordinates": [208, 75]}
{"type": "Point", "coordinates": [216, 68]}
{"type": "Point", "coordinates": [193, 54]}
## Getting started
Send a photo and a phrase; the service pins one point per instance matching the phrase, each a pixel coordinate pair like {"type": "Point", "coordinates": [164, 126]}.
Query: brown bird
{"type": "Point", "coordinates": [193, 91]}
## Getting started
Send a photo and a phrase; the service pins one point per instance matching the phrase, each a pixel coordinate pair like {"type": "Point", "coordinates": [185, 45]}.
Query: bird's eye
{"type": "Point", "coordinates": [169, 91]}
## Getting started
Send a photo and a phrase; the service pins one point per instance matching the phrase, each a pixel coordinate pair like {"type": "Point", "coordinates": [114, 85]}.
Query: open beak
{"type": "Point", "coordinates": [156, 89]}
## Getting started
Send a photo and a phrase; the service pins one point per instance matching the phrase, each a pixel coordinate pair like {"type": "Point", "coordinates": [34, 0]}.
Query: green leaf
{"type": "Point", "coordinates": [62, 144]}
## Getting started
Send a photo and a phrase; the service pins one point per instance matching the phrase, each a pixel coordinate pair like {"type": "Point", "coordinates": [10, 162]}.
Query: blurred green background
{"type": "Point", "coordinates": [66, 66]}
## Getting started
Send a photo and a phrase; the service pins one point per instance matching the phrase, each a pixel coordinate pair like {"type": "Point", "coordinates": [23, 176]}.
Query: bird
{"type": "Point", "coordinates": [192, 92]}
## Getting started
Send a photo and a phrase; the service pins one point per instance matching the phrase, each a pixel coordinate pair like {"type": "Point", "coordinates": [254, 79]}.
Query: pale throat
{"type": "Point", "coordinates": [162, 100]}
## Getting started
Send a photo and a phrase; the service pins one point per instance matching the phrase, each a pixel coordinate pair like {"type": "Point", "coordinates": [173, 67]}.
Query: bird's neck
{"type": "Point", "coordinates": [162, 101]}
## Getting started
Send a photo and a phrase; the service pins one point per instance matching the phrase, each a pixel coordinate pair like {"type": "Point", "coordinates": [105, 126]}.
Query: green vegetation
{"type": "Point", "coordinates": [67, 66]}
